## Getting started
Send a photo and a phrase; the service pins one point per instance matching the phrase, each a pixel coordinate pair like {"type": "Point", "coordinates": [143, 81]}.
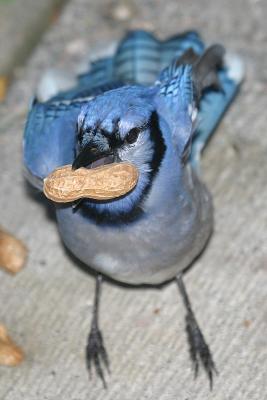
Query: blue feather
{"type": "Point", "coordinates": [140, 57]}
{"type": "Point", "coordinates": [49, 138]}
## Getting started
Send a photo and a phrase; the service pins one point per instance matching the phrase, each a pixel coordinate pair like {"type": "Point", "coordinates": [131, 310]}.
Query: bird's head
{"type": "Point", "coordinates": [121, 125]}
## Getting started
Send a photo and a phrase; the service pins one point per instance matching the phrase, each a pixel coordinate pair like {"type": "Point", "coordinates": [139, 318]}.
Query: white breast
{"type": "Point", "coordinates": [152, 250]}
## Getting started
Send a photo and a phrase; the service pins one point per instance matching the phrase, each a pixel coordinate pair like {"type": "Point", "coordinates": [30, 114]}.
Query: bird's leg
{"type": "Point", "coordinates": [199, 350]}
{"type": "Point", "coordinates": [95, 351]}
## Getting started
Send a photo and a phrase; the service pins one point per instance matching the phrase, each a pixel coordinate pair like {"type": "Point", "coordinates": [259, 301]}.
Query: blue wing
{"type": "Point", "coordinates": [214, 104]}
{"type": "Point", "coordinates": [49, 139]}
{"type": "Point", "coordinates": [139, 58]}
{"type": "Point", "coordinates": [183, 89]}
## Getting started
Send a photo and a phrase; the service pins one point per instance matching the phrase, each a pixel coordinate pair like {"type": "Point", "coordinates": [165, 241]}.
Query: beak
{"type": "Point", "coordinates": [92, 156]}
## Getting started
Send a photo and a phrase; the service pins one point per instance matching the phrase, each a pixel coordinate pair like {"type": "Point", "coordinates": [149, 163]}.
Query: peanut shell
{"type": "Point", "coordinates": [13, 252]}
{"type": "Point", "coordinates": [10, 353]}
{"type": "Point", "coordinates": [102, 183]}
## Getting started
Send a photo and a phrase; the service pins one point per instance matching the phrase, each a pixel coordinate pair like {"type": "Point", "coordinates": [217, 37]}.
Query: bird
{"type": "Point", "coordinates": [154, 103]}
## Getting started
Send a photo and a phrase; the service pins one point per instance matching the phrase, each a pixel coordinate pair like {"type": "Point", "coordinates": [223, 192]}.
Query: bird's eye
{"type": "Point", "coordinates": [132, 135]}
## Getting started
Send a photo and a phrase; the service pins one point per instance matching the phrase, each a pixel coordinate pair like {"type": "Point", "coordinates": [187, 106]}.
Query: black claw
{"type": "Point", "coordinates": [199, 349]}
{"type": "Point", "coordinates": [96, 355]}
{"type": "Point", "coordinates": [95, 351]}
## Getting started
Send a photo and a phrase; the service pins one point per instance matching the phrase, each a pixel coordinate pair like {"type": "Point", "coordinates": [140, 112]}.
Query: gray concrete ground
{"type": "Point", "coordinates": [21, 24]}
{"type": "Point", "coordinates": [47, 307]}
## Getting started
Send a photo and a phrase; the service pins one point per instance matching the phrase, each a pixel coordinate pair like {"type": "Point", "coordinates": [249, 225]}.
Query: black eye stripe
{"type": "Point", "coordinates": [132, 135]}
{"type": "Point", "coordinates": [114, 138]}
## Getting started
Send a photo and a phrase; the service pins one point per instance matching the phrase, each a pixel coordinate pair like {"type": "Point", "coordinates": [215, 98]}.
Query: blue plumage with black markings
{"type": "Point", "coordinates": [140, 59]}
{"type": "Point", "coordinates": [154, 104]}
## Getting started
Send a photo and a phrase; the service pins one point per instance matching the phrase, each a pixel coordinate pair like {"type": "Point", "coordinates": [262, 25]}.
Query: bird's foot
{"type": "Point", "coordinates": [96, 354]}
{"type": "Point", "coordinates": [199, 349]}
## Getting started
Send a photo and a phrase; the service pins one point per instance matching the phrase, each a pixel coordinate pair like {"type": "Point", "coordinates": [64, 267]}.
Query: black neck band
{"type": "Point", "coordinates": [88, 208]}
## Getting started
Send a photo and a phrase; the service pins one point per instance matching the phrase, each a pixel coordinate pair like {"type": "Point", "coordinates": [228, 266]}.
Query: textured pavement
{"type": "Point", "coordinates": [47, 307]}
{"type": "Point", "coordinates": [21, 24]}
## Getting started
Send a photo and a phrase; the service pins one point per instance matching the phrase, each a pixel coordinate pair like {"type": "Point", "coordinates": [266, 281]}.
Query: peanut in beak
{"type": "Point", "coordinates": [102, 183]}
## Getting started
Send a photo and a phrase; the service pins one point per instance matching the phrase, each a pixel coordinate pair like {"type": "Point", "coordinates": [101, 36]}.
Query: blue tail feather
{"type": "Point", "coordinates": [138, 60]}
{"type": "Point", "coordinates": [214, 104]}
{"type": "Point", "coordinates": [140, 57]}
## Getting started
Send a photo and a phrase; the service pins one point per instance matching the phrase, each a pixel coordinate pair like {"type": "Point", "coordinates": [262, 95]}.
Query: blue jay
{"type": "Point", "coordinates": [154, 104]}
